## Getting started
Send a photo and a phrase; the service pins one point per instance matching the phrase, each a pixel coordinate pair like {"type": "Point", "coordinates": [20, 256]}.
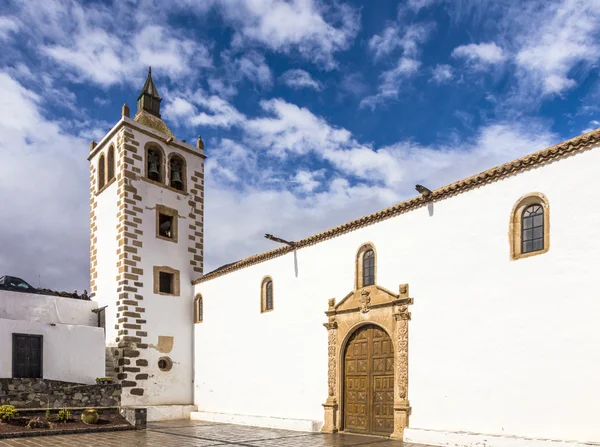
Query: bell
{"type": "Point", "coordinates": [176, 180]}
{"type": "Point", "coordinates": [153, 170]}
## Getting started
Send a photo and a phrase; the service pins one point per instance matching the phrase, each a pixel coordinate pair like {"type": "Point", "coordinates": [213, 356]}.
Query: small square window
{"type": "Point", "coordinates": [165, 282]}
{"type": "Point", "coordinates": [166, 223]}
{"type": "Point", "coordinates": [165, 226]}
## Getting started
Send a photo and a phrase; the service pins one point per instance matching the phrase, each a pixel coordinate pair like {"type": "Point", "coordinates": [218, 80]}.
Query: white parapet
{"type": "Point", "coordinates": [259, 421]}
{"type": "Point", "coordinates": [464, 439]}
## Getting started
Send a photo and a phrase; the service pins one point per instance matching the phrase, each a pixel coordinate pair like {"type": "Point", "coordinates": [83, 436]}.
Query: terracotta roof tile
{"type": "Point", "coordinates": [536, 159]}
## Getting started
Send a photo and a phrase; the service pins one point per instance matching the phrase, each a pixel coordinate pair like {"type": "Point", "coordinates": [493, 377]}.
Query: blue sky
{"type": "Point", "coordinates": [313, 113]}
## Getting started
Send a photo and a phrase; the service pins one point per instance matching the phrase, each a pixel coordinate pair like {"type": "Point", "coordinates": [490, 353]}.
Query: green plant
{"type": "Point", "coordinates": [104, 379]}
{"type": "Point", "coordinates": [48, 414]}
{"type": "Point", "coordinates": [89, 416]}
{"type": "Point", "coordinates": [63, 415]}
{"type": "Point", "coordinates": [7, 412]}
{"type": "Point", "coordinates": [36, 422]}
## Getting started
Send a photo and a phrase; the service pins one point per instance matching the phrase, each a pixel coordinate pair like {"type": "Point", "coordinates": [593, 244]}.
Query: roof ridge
{"type": "Point", "coordinates": [535, 159]}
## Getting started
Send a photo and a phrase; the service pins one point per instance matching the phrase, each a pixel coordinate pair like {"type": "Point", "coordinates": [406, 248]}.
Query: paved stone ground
{"type": "Point", "coordinates": [204, 434]}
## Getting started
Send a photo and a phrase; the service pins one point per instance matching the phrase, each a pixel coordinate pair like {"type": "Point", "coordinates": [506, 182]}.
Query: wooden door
{"type": "Point", "coordinates": [369, 382]}
{"type": "Point", "coordinates": [27, 356]}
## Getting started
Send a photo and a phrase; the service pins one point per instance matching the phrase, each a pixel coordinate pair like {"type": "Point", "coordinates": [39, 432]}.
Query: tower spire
{"type": "Point", "coordinates": [149, 99]}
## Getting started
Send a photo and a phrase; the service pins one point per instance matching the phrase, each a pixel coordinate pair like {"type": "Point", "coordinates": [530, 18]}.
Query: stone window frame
{"type": "Point", "coordinates": [358, 277]}
{"type": "Point", "coordinates": [515, 228]}
{"type": "Point", "coordinates": [198, 308]}
{"type": "Point", "coordinates": [183, 171]}
{"type": "Point", "coordinates": [101, 172]}
{"type": "Point", "coordinates": [162, 209]}
{"type": "Point", "coordinates": [161, 168]}
{"type": "Point", "coordinates": [263, 295]}
{"type": "Point", "coordinates": [157, 270]}
{"type": "Point", "coordinates": [110, 164]}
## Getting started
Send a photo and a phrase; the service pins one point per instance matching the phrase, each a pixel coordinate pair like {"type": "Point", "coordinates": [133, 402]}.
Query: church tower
{"type": "Point", "coordinates": [147, 226]}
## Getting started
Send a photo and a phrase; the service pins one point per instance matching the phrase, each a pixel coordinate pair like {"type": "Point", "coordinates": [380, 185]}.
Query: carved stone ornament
{"type": "Point", "coordinates": [371, 305]}
{"type": "Point", "coordinates": [365, 300]}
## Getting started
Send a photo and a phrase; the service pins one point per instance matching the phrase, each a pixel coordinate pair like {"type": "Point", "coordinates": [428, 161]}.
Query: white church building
{"type": "Point", "coordinates": [465, 316]}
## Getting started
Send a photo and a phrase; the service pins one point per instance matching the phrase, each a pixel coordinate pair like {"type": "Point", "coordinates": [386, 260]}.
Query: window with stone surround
{"type": "Point", "coordinates": [266, 294]}
{"type": "Point", "coordinates": [529, 232]}
{"type": "Point", "coordinates": [166, 281]}
{"type": "Point", "coordinates": [198, 309]}
{"type": "Point", "coordinates": [177, 176]}
{"type": "Point", "coordinates": [154, 163]}
{"type": "Point", "coordinates": [101, 172]}
{"type": "Point", "coordinates": [366, 266]}
{"type": "Point", "coordinates": [166, 223]}
{"type": "Point", "coordinates": [110, 164]}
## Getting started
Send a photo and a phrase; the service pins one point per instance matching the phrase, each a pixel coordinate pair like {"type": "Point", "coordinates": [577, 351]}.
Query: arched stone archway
{"type": "Point", "coordinates": [372, 305]}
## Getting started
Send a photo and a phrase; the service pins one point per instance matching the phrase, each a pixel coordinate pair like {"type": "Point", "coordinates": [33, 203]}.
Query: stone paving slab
{"type": "Point", "coordinates": [204, 434]}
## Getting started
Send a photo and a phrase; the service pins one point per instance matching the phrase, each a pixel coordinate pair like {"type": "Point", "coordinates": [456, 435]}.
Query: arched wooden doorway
{"type": "Point", "coordinates": [369, 382]}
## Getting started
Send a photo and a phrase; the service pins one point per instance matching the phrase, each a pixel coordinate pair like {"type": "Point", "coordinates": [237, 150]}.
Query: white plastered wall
{"type": "Point", "coordinates": [497, 347]}
{"type": "Point", "coordinates": [71, 353]}
{"type": "Point", "coordinates": [167, 316]}
{"type": "Point", "coordinates": [106, 246]}
{"type": "Point", "coordinates": [47, 308]}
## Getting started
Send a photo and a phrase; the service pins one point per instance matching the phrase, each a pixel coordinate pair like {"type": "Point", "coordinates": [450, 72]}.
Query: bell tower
{"type": "Point", "coordinates": [147, 228]}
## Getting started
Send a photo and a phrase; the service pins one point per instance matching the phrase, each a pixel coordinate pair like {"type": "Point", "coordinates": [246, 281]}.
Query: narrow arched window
{"type": "Point", "coordinates": [177, 172]}
{"type": "Point", "coordinates": [101, 172]}
{"type": "Point", "coordinates": [267, 294]}
{"type": "Point", "coordinates": [368, 268]}
{"type": "Point", "coordinates": [532, 227]}
{"type": "Point", "coordinates": [154, 164]}
{"type": "Point", "coordinates": [110, 164]}
{"type": "Point", "coordinates": [198, 309]}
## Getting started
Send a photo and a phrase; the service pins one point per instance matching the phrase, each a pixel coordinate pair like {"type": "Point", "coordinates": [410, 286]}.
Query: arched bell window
{"type": "Point", "coordinates": [154, 162]}
{"type": "Point", "coordinates": [266, 294]}
{"type": "Point", "coordinates": [530, 226]}
{"type": "Point", "coordinates": [366, 266]}
{"type": "Point", "coordinates": [198, 309]}
{"type": "Point", "coordinates": [110, 164]}
{"type": "Point", "coordinates": [101, 172]}
{"type": "Point", "coordinates": [177, 172]}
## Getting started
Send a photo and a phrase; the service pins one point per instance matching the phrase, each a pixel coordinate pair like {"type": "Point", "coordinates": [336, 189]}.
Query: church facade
{"type": "Point", "coordinates": [463, 316]}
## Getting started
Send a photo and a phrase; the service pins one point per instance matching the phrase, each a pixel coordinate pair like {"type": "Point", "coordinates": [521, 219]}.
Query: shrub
{"type": "Point", "coordinates": [63, 415]}
{"type": "Point", "coordinates": [36, 422]}
{"type": "Point", "coordinates": [7, 412]}
{"type": "Point", "coordinates": [48, 414]}
{"type": "Point", "coordinates": [89, 416]}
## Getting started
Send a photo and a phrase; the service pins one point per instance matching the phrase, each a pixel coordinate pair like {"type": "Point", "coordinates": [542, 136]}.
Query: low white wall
{"type": "Point", "coordinates": [72, 353]}
{"type": "Point", "coordinates": [47, 309]}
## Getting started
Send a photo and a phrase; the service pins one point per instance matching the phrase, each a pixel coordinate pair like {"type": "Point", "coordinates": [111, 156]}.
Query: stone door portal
{"type": "Point", "coordinates": [369, 382]}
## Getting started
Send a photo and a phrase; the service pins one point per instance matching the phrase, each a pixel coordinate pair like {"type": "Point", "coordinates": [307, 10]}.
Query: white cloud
{"type": "Point", "coordinates": [307, 180]}
{"type": "Point", "coordinates": [564, 35]}
{"type": "Point", "coordinates": [8, 26]}
{"type": "Point", "coordinates": [222, 114]}
{"type": "Point", "coordinates": [391, 81]}
{"type": "Point", "coordinates": [106, 59]}
{"type": "Point", "coordinates": [316, 31]}
{"type": "Point", "coordinates": [480, 56]}
{"type": "Point", "coordinates": [400, 35]}
{"type": "Point", "coordinates": [442, 73]}
{"type": "Point", "coordinates": [45, 226]}
{"type": "Point", "coordinates": [299, 79]}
